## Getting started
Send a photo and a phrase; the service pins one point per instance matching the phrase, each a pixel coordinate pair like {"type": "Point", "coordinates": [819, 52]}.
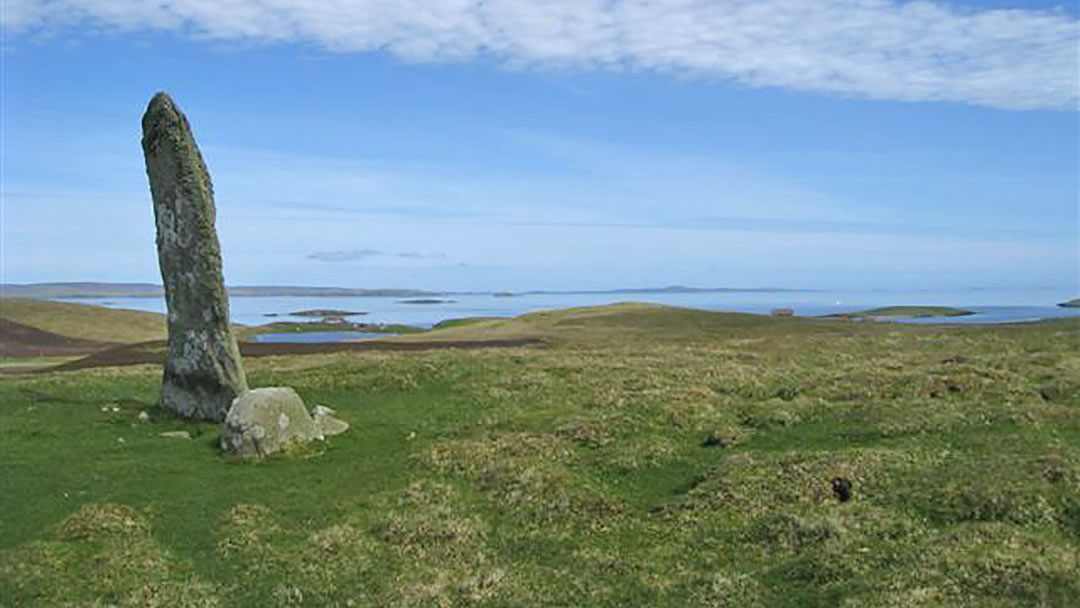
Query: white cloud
{"type": "Point", "coordinates": [877, 49]}
{"type": "Point", "coordinates": [350, 255]}
{"type": "Point", "coordinates": [359, 255]}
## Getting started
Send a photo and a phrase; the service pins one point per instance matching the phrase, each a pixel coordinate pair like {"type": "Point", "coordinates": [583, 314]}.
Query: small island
{"type": "Point", "coordinates": [917, 312]}
{"type": "Point", "coordinates": [1073, 303]}
{"type": "Point", "coordinates": [325, 312]}
{"type": "Point", "coordinates": [426, 301]}
{"type": "Point", "coordinates": [336, 324]}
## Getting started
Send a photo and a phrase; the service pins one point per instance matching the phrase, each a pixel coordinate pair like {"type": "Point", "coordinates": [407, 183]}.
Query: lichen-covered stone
{"type": "Point", "coordinates": [203, 371]}
{"type": "Point", "coordinates": [267, 420]}
{"type": "Point", "coordinates": [327, 422]}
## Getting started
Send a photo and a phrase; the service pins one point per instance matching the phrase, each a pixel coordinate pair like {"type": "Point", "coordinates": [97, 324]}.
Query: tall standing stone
{"type": "Point", "coordinates": [203, 372]}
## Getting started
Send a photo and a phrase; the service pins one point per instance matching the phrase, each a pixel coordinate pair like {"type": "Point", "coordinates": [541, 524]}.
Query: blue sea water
{"type": "Point", "coordinates": [990, 305]}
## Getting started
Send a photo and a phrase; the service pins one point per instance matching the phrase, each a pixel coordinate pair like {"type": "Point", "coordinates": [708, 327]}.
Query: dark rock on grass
{"type": "Point", "coordinates": [724, 437]}
{"type": "Point", "coordinates": [841, 487]}
{"type": "Point", "coordinates": [717, 440]}
{"type": "Point", "coordinates": [203, 372]}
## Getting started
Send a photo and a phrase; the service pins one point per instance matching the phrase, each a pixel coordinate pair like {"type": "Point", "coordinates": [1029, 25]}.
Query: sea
{"type": "Point", "coordinates": [989, 305]}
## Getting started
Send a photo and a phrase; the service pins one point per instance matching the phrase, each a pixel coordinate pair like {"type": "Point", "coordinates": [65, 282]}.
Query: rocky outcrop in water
{"type": "Point", "coordinates": [203, 372]}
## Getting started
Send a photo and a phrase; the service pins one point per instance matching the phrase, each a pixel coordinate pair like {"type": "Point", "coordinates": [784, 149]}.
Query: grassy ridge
{"type": "Point", "coordinates": [576, 474]}
{"type": "Point", "coordinates": [621, 323]}
{"type": "Point", "coordinates": [315, 326]}
{"type": "Point", "coordinates": [909, 311]}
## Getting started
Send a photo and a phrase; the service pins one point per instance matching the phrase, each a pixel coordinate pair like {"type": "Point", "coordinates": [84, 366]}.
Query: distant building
{"type": "Point", "coordinates": [782, 312]}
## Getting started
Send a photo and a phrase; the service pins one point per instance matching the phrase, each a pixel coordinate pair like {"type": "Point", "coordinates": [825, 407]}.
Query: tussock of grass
{"type": "Point", "coordinates": [103, 554]}
{"type": "Point", "coordinates": [100, 521]}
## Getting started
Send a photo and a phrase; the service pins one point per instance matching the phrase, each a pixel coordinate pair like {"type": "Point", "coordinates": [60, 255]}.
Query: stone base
{"type": "Point", "coordinates": [267, 420]}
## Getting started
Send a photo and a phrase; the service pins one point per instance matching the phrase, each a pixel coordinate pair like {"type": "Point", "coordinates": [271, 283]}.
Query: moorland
{"type": "Point", "coordinates": [628, 455]}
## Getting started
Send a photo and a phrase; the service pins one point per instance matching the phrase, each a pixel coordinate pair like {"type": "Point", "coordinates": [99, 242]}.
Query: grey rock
{"type": "Point", "coordinates": [267, 420]}
{"type": "Point", "coordinates": [203, 372]}
{"type": "Point", "coordinates": [327, 422]}
{"type": "Point", "coordinates": [176, 435]}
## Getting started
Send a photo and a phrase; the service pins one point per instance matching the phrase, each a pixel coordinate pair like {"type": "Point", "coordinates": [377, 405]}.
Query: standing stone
{"type": "Point", "coordinates": [203, 372]}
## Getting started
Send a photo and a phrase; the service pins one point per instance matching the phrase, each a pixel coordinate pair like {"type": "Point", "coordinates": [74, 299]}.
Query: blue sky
{"type": "Point", "coordinates": [457, 144]}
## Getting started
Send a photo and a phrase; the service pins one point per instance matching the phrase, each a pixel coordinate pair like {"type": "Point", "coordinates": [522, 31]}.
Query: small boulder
{"type": "Point", "coordinates": [329, 424]}
{"type": "Point", "coordinates": [176, 435]}
{"type": "Point", "coordinates": [713, 440]}
{"type": "Point", "coordinates": [267, 420]}
{"type": "Point", "coordinates": [841, 487]}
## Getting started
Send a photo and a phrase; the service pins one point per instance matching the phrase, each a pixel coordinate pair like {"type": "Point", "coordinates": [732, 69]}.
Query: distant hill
{"type": "Point", "coordinates": [43, 291]}
{"type": "Point", "coordinates": [79, 290]}
{"type": "Point", "coordinates": [149, 290]}
{"type": "Point", "coordinates": [907, 311]}
{"type": "Point", "coordinates": [668, 289]}
{"type": "Point", "coordinates": [1074, 303]}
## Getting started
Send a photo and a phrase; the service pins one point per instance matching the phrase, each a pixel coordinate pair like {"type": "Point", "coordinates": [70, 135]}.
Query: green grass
{"type": "Point", "coordinates": [449, 323]}
{"type": "Point", "coordinates": [84, 321]}
{"type": "Point", "coordinates": [575, 474]}
{"type": "Point", "coordinates": [20, 363]}
{"type": "Point", "coordinates": [909, 311]}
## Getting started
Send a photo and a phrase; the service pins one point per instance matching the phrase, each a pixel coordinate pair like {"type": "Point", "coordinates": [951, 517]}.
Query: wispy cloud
{"type": "Point", "coordinates": [418, 255]}
{"type": "Point", "coordinates": [358, 255]}
{"type": "Point", "coordinates": [350, 255]}
{"type": "Point", "coordinates": [879, 49]}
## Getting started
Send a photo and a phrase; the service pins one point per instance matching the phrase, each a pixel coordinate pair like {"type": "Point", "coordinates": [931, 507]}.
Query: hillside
{"type": "Point", "coordinates": [84, 322]}
{"type": "Point", "coordinates": [149, 290]}
{"type": "Point", "coordinates": [23, 341]}
{"type": "Point", "coordinates": [623, 323]}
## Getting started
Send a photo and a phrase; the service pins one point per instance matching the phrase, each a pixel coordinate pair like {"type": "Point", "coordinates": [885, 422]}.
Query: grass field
{"type": "Point", "coordinates": [643, 456]}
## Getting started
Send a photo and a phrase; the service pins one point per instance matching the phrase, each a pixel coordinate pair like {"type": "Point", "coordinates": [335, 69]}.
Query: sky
{"type": "Point", "coordinates": [567, 144]}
